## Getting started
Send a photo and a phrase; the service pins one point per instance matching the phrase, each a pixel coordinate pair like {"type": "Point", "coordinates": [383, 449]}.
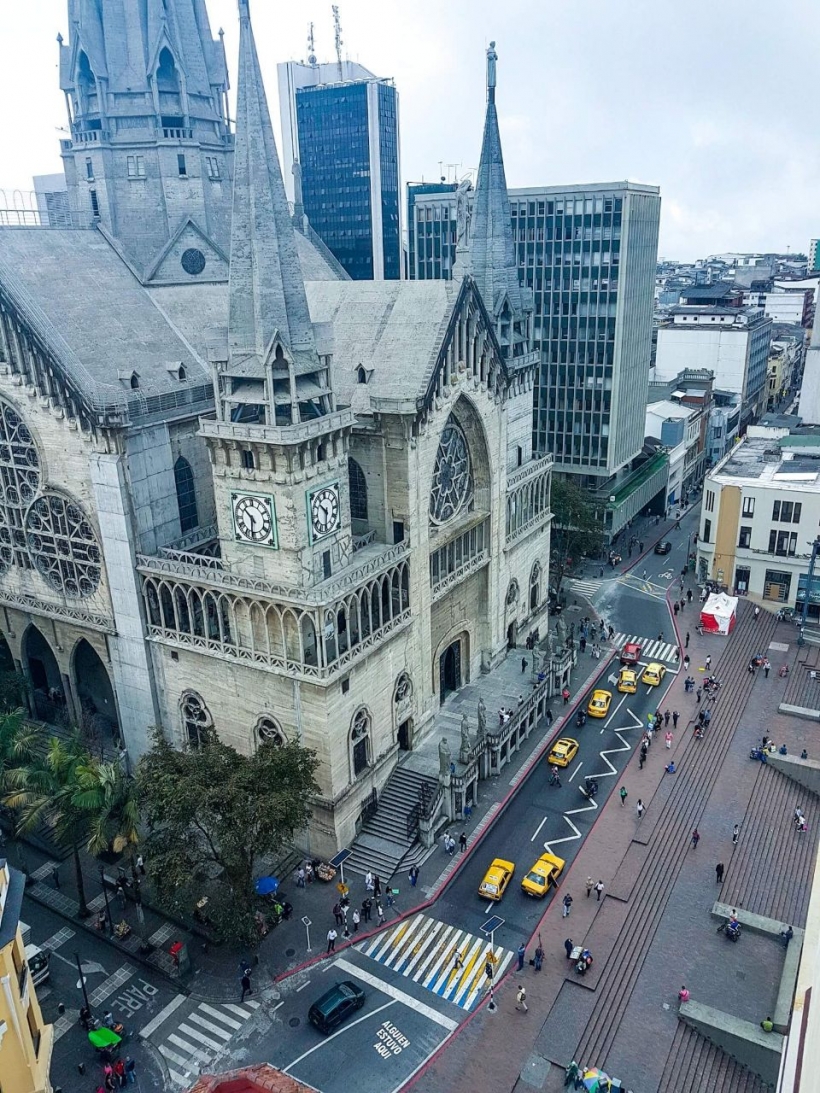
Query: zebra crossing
{"type": "Point", "coordinates": [586, 588]}
{"type": "Point", "coordinates": [444, 959]}
{"type": "Point", "coordinates": [650, 650]}
{"type": "Point", "coordinates": [198, 1037]}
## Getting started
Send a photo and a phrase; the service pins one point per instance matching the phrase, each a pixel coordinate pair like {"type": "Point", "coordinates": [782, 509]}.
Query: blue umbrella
{"type": "Point", "coordinates": [266, 885]}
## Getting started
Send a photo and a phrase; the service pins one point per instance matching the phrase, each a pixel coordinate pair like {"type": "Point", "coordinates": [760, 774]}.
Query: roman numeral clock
{"type": "Point", "coordinates": [324, 511]}
{"type": "Point", "coordinates": [254, 519]}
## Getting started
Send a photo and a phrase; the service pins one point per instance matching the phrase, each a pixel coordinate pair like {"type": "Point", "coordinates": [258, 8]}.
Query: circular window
{"type": "Point", "coordinates": [63, 546]}
{"type": "Point", "coordinates": [452, 487]}
{"type": "Point", "coordinates": [193, 261]}
{"type": "Point", "coordinates": [268, 732]}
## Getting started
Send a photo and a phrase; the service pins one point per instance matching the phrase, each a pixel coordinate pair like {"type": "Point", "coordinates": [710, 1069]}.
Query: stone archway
{"type": "Point", "coordinates": [95, 695]}
{"type": "Point", "coordinates": [453, 666]}
{"type": "Point", "coordinates": [40, 665]}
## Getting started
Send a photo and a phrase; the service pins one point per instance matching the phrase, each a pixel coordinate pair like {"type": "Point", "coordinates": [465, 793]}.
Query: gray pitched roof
{"type": "Point", "coordinates": [267, 292]}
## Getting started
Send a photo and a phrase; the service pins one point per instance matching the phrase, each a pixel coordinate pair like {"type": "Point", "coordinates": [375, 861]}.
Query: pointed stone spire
{"type": "Point", "coordinates": [489, 255]}
{"type": "Point", "coordinates": [267, 292]}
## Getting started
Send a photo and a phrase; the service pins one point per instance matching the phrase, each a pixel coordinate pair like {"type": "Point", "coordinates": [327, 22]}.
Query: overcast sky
{"type": "Point", "coordinates": [713, 102]}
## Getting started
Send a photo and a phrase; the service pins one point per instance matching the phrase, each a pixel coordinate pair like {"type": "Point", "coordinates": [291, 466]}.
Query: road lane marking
{"type": "Point", "coordinates": [229, 1021]}
{"type": "Point", "coordinates": [575, 771]}
{"type": "Point", "coordinates": [623, 699]}
{"type": "Point", "coordinates": [163, 1015]}
{"type": "Point", "coordinates": [538, 830]}
{"type": "Point", "coordinates": [348, 1026]}
{"type": "Point", "coordinates": [199, 1037]}
{"type": "Point", "coordinates": [398, 995]}
{"type": "Point", "coordinates": [209, 1025]}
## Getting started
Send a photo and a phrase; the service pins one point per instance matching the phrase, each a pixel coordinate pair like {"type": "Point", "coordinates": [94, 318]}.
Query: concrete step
{"type": "Point", "coordinates": [383, 843]}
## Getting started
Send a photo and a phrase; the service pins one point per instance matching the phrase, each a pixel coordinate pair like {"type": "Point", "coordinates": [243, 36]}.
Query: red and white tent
{"type": "Point", "coordinates": [719, 614]}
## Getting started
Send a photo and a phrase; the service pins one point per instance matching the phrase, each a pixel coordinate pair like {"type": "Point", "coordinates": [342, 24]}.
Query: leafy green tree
{"type": "Point", "coordinates": [53, 789]}
{"type": "Point", "coordinates": [18, 746]}
{"type": "Point", "coordinates": [109, 797]}
{"type": "Point", "coordinates": [211, 814]}
{"type": "Point", "coordinates": [577, 528]}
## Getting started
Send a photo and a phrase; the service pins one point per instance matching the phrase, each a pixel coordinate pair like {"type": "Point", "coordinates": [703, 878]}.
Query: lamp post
{"type": "Point", "coordinates": [105, 897]}
{"type": "Point", "coordinates": [82, 982]}
{"type": "Point", "coordinates": [815, 549]}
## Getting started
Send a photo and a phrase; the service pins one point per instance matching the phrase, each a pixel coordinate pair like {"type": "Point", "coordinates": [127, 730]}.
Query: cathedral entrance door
{"type": "Point", "coordinates": [449, 670]}
{"type": "Point", "coordinates": [511, 636]}
{"type": "Point", "coordinates": [406, 735]}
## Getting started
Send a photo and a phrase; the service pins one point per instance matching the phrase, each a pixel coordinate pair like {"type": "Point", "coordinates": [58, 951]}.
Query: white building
{"type": "Point", "coordinates": [681, 430]}
{"type": "Point", "coordinates": [760, 515]}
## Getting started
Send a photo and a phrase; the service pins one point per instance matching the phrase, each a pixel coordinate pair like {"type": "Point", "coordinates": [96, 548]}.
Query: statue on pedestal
{"type": "Point", "coordinates": [444, 756]}
{"type": "Point", "coordinates": [466, 742]}
{"type": "Point", "coordinates": [482, 719]}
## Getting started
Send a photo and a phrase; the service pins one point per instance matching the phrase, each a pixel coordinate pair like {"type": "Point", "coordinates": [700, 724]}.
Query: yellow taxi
{"type": "Point", "coordinates": [628, 681]}
{"type": "Point", "coordinates": [598, 705]}
{"type": "Point", "coordinates": [653, 674]}
{"type": "Point", "coordinates": [496, 879]}
{"type": "Point", "coordinates": [563, 752]}
{"type": "Point", "coordinates": [544, 873]}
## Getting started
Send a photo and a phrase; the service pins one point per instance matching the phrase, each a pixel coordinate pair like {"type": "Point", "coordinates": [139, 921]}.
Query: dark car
{"type": "Point", "coordinates": [663, 547]}
{"type": "Point", "coordinates": [335, 1006]}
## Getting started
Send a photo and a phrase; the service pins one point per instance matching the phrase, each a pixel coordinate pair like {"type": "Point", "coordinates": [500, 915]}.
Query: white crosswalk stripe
{"type": "Point", "coordinates": [424, 949]}
{"type": "Point", "coordinates": [191, 1041]}
{"type": "Point", "coordinates": [586, 588]}
{"type": "Point", "coordinates": [650, 650]}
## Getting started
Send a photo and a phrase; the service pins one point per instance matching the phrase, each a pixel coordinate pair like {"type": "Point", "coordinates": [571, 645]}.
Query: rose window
{"type": "Point", "coordinates": [19, 483]}
{"type": "Point", "coordinates": [452, 488]}
{"type": "Point", "coordinates": [63, 546]}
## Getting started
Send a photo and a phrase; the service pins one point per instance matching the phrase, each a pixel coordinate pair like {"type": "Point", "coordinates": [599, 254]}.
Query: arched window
{"type": "Point", "coordinates": [512, 593]}
{"type": "Point", "coordinates": [404, 688]}
{"type": "Point", "coordinates": [19, 485]}
{"type": "Point", "coordinates": [358, 490]}
{"type": "Point", "coordinates": [452, 486]}
{"type": "Point", "coordinates": [196, 719]}
{"type": "Point", "coordinates": [134, 381]}
{"type": "Point", "coordinates": [535, 586]}
{"type": "Point", "coordinates": [360, 742]}
{"type": "Point", "coordinates": [186, 495]}
{"type": "Point", "coordinates": [361, 375]}
{"type": "Point", "coordinates": [167, 79]}
{"type": "Point", "coordinates": [268, 731]}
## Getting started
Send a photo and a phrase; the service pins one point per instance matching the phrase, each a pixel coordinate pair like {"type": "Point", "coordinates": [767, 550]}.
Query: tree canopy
{"type": "Point", "coordinates": [577, 528]}
{"type": "Point", "coordinates": [211, 814]}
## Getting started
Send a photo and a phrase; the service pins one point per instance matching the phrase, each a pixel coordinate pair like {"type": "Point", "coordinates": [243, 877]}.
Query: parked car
{"type": "Point", "coordinates": [496, 879]}
{"type": "Point", "coordinates": [563, 752]}
{"type": "Point", "coordinates": [543, 875]}
{"type": "Point", "coordinates": [336, 1005]}
{"type": "Point", "coordinates": [663, 547]}
{"type": "Point", "coordinates": [38, 960]}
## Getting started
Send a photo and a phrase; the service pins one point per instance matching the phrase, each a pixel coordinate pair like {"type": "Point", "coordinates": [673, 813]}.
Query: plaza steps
{"type": "Point", "coordinates": [695, 1065]}
{"type": "Point", "coordinates": [801, 690]}
{"type": "Point", "coordinates": [382, 844]}
{"type": "Point", "coordinates": [668, 844]}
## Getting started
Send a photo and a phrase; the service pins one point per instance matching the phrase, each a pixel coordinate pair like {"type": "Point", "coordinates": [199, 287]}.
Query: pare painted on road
{"type": "Point", "coordinates": [389, 1041]}
{"type": "Point", "coordinates": [133, 998]}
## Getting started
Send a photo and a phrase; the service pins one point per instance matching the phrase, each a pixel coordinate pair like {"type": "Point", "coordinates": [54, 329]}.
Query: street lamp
{"type": "Point", "coordinates": [105, 897]}
{"type": "Point", "coordinates": [82, 982]}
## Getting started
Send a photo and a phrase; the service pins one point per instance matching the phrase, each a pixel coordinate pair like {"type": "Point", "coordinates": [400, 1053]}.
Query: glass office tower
{"type": "Point", "coordinates": [341, 123]}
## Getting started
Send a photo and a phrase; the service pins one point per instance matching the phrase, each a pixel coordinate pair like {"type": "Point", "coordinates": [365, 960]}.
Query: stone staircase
{"type": "Point", "coordinates": [383, 844]}
{"type": "Point", "coordinates": [695, 1065]}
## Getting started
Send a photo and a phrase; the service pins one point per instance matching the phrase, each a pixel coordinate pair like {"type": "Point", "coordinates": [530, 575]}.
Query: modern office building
{"type": "Point", "coordinates": [814, 256]}
{"type": "Point", "coordinates": [340, 125]}
{"type": "Point", "coordinates": [431, 230]}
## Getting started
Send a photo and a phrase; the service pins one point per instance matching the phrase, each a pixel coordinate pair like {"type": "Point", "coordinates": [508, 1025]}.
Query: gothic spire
{"type": "Point", "coordinates": [490, 251]}
{"type": "Point", "coordinates": [267, 292]}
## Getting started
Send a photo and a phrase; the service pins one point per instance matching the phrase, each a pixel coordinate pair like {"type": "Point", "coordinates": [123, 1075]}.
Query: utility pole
{"type": "Point", "coordinates": [815, 550]}
{"type": "Point", "coordinates": [337, 37]}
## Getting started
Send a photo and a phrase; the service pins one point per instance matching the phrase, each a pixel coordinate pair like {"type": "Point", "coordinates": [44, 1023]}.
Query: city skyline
{"type": "Point", "coordinates": [680, 122]}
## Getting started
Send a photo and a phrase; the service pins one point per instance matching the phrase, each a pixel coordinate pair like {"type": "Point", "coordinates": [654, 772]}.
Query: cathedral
{"type": "Point", "coordinates": [240, 492]}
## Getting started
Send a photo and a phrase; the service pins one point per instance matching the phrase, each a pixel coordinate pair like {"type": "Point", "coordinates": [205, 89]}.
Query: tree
{"type": "Point", "coordinates": [577, 529]}
{"type": "Point", "coordinates": [109, 797]}
{"type": "Point", "coordinates": [18, 746]}
{"type": "Point", "coordinates": [211, 814]}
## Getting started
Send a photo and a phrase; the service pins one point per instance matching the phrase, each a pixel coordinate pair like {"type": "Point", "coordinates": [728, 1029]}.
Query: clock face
{"type": "Point", "coordinates": [325, 511]}
{"type": "Point", "coordinates": [253, 519]}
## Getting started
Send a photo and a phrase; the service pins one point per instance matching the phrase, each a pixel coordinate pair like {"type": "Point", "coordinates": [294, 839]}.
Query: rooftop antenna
{"type": "Point", "coordinates": [311, 46]}
{"type": "Point", "coordinates": [337, 37]}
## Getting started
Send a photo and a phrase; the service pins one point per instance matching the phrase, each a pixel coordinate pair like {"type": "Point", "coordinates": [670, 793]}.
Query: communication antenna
{"type": "Point", "coordinates": [311, 46]}
{"type": "Point", "coordinates": [337, 37]}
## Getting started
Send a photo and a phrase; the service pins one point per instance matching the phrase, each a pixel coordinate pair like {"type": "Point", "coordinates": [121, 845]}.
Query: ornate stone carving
{"type": "Point", "coordinates": [444, 756]}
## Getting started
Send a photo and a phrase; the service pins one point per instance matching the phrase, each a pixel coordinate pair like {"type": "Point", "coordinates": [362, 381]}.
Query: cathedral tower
{"type": "Point", "coordinates": [279, 446]}
{"type": "Point", "coordinates": [150, 153]}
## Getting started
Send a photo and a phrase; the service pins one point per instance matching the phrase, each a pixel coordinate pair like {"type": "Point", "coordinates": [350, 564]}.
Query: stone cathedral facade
{"type": "Point", "coordinates": [238, 490]}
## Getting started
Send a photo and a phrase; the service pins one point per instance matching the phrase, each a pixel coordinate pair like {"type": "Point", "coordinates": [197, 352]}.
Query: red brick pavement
{"type": "Point", "coordinates": [495, 1051]}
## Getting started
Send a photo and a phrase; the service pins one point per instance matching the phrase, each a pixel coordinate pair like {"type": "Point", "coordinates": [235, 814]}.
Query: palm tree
{"type": "Point", "coordinates": [109, 797]}
{"type": "Point", "coordinates": [18, 745]}
{"type": "Point", "coordinates": [50, 790]}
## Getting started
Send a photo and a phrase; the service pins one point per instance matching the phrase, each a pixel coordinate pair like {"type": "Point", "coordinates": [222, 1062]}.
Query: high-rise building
{"type": "Point", "coordinates": [340, 125]}
{"type": "Point", "coordinates": [431, 230]}
{"type": "Point", "coordinates": [814, 256]}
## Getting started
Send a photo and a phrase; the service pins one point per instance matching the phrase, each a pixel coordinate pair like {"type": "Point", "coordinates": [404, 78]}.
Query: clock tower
{"type": "Point", "coordinates": [279, 444]}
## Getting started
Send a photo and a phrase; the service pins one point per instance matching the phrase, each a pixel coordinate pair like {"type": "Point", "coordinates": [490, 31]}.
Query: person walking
{"type": "Point", "coordinates": [539, 956]}
{"type": "Point", "coordinates": [766, 667]}
{"type": "Point", "coordinates": [380, 912]}
{"type": "Point", "coordinates": [567, 906]}
{"type": "Point", "coordinates": [675, 716]}
{"type": "Point", "coordinates": [666, 717]}
{"type": "Point", "coordinates": [695, 839]}
{"type": "Point", "coordinates": [522, 952]}
{"type": "Point", "coordinates": [414, 876]}
{"type": "Point", "coordinates": [689, 595]}
{"type": "Point", "coordinates": [245, 983]}
{"type": "Point", "coordinates": [698, 694]}
{"type": "Point", "coordinates": [599, 887]}
{"type": "Point", "coordinates": [708, 663]}
{"type": "Point", "coordinates": [141, 864]}
{"type": "Point", "coordinates": [687, 640]}
{"type": "Point", "coordinates": [368, 881]}
{"type": "Point", "coordinates": [590, 885]}
{"type": "Point", "coordinates": [462, 841]}
{"type": "Point", "coordinates": [521, 1000]}
{"type": "Point", "coordinates": [377, 885]}
{"type": "Point", "coordinates": [623, 795]}
{"type": "Point", "coordinates": [367, 908]}
{"type": "Point", "coordinates": [130, 1069]}
{"type": "Point", "coordinates": [676, 607]}
{"type": "Point", "coordinates": [569, 945]}
{"type": "Point", "coordinates": [639, 808]}
{"type": "Point", "coordinates": [642, 757]}
{"type": "Point", "coordinates": [331, 940]}
{"type": "Point", "coordinates": [719, 873]}
{"type": "Point", "coordinates": [735, 834]}
{"type": "Point", "coordinates": [458, 961]}
{"type": "Point", "coordinates": [756, 612]}
{"type": "Point", "coordinates": [337, 914]}
{"type": "Point", "coordinates": [357, 918]}
{"type": "Point", "coordinates": [300, 877]}
{"type": "Point", "coordinates": [668, 738]}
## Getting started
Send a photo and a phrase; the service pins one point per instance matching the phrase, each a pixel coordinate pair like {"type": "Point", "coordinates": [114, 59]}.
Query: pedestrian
{"type": "Point", "coordinates": [756, 612]}
{"type": "Point", "coordinates": [522, 952]}
{"type": "Point", "coordinates": [675, 716]}
{"type": "Point", "coordinates": [141, 864]}
{"type": "Point", "coordinates": [766, 667]}
{"type": "Point", "coordinates": [668, 738]}
{"type": "Point", "coordinates": [337, 913]}
{"type": "Point", "coordinates": [451, 846]}
{"type": "Point", "coordinates": [719, 873]}
{"type": "Point", "coordinates": [367, 908]}
{"type": "Point", "coordinates": [695, 839]}
{"type": "Point", "coordinates": [345, 904]}
{"type": "Point", "coordinates": [735, 834]}
{"type": "Point", "coordinates": [300, 877]}
{"type": "Point", "coordinates": [569, 945]}
{"type": "Point", "coordinates": [548, 716]}
{"type": "Point", "coordinates": [567, 901]}
{"type": "Point", "coordinates": [55, 876]}
{"type": "Point", "coordinates": [698, 694]}
{"type": "Point", "coordinates": [708, 664]}
{"type": "Point", "coordinates": [590, 885]}
{"type": "Point", "coordinates": [686, 663]}
{"type": "Point", "coordinates": [380, 911]}
{"type": "Point", "coordinates": [523, 665]}
{"type": "Point", "coordinates": [458, 961]}
{"type": "Point", "coordinates": [130, 1068]}
{"type": "Point", "coordinates": [639, 808]}
{"type": "Point", "coordinates": [463, 841]}
{"type": "Point", "coordinates": [539, 956]}
{"type": "Point", "coordinates": [445, 841]}
{"type": "Point", "coordinates": [357, 918]}
{"type": "Point", "coordinates": [565, 695]}
{"type": "Point", "coordinates": [601, 572]}
{"type": "Point", "coordinates": [689, 595]}
{"type": "Point", "coordinates": [521, 1000]}
{"type": "Point", "coordinates": [583, 644]}
{"type": "Point", "coordinates": [676, 607]}
{"type": "Point", "coordinates": [245, 983]}
{"type": "Point", "coordinates": [368, 881]}
{"type": "Point", "coordinates": [642, 758]}
{"type": "Point", "coordinates": [623, 795]}
{"type": "Point", "coordinates": [599, 887]}
{"type": "Point", "coordinates": [331, 940]}
{"type": "Point", "coordinates": [377, 885]}
{"type": "Point", "coordinates": [119, 1071]}
{"type": "Point", "coordinates": [683, 994]}
{"type": "Point", "coordinates": [687, 639]}
{"type": "Point", "coordinates": [414, 876]}
{"type": "Point", "coordinates": [666, 717]}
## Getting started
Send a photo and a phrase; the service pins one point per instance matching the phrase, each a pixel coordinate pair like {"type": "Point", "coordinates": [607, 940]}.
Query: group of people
{"type": "Point", "coordinates": [117, 1075]}
{"type": "Point", "coordinates": [799, 820]}
{"type": "Point", "coordinates": [504, 715]}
